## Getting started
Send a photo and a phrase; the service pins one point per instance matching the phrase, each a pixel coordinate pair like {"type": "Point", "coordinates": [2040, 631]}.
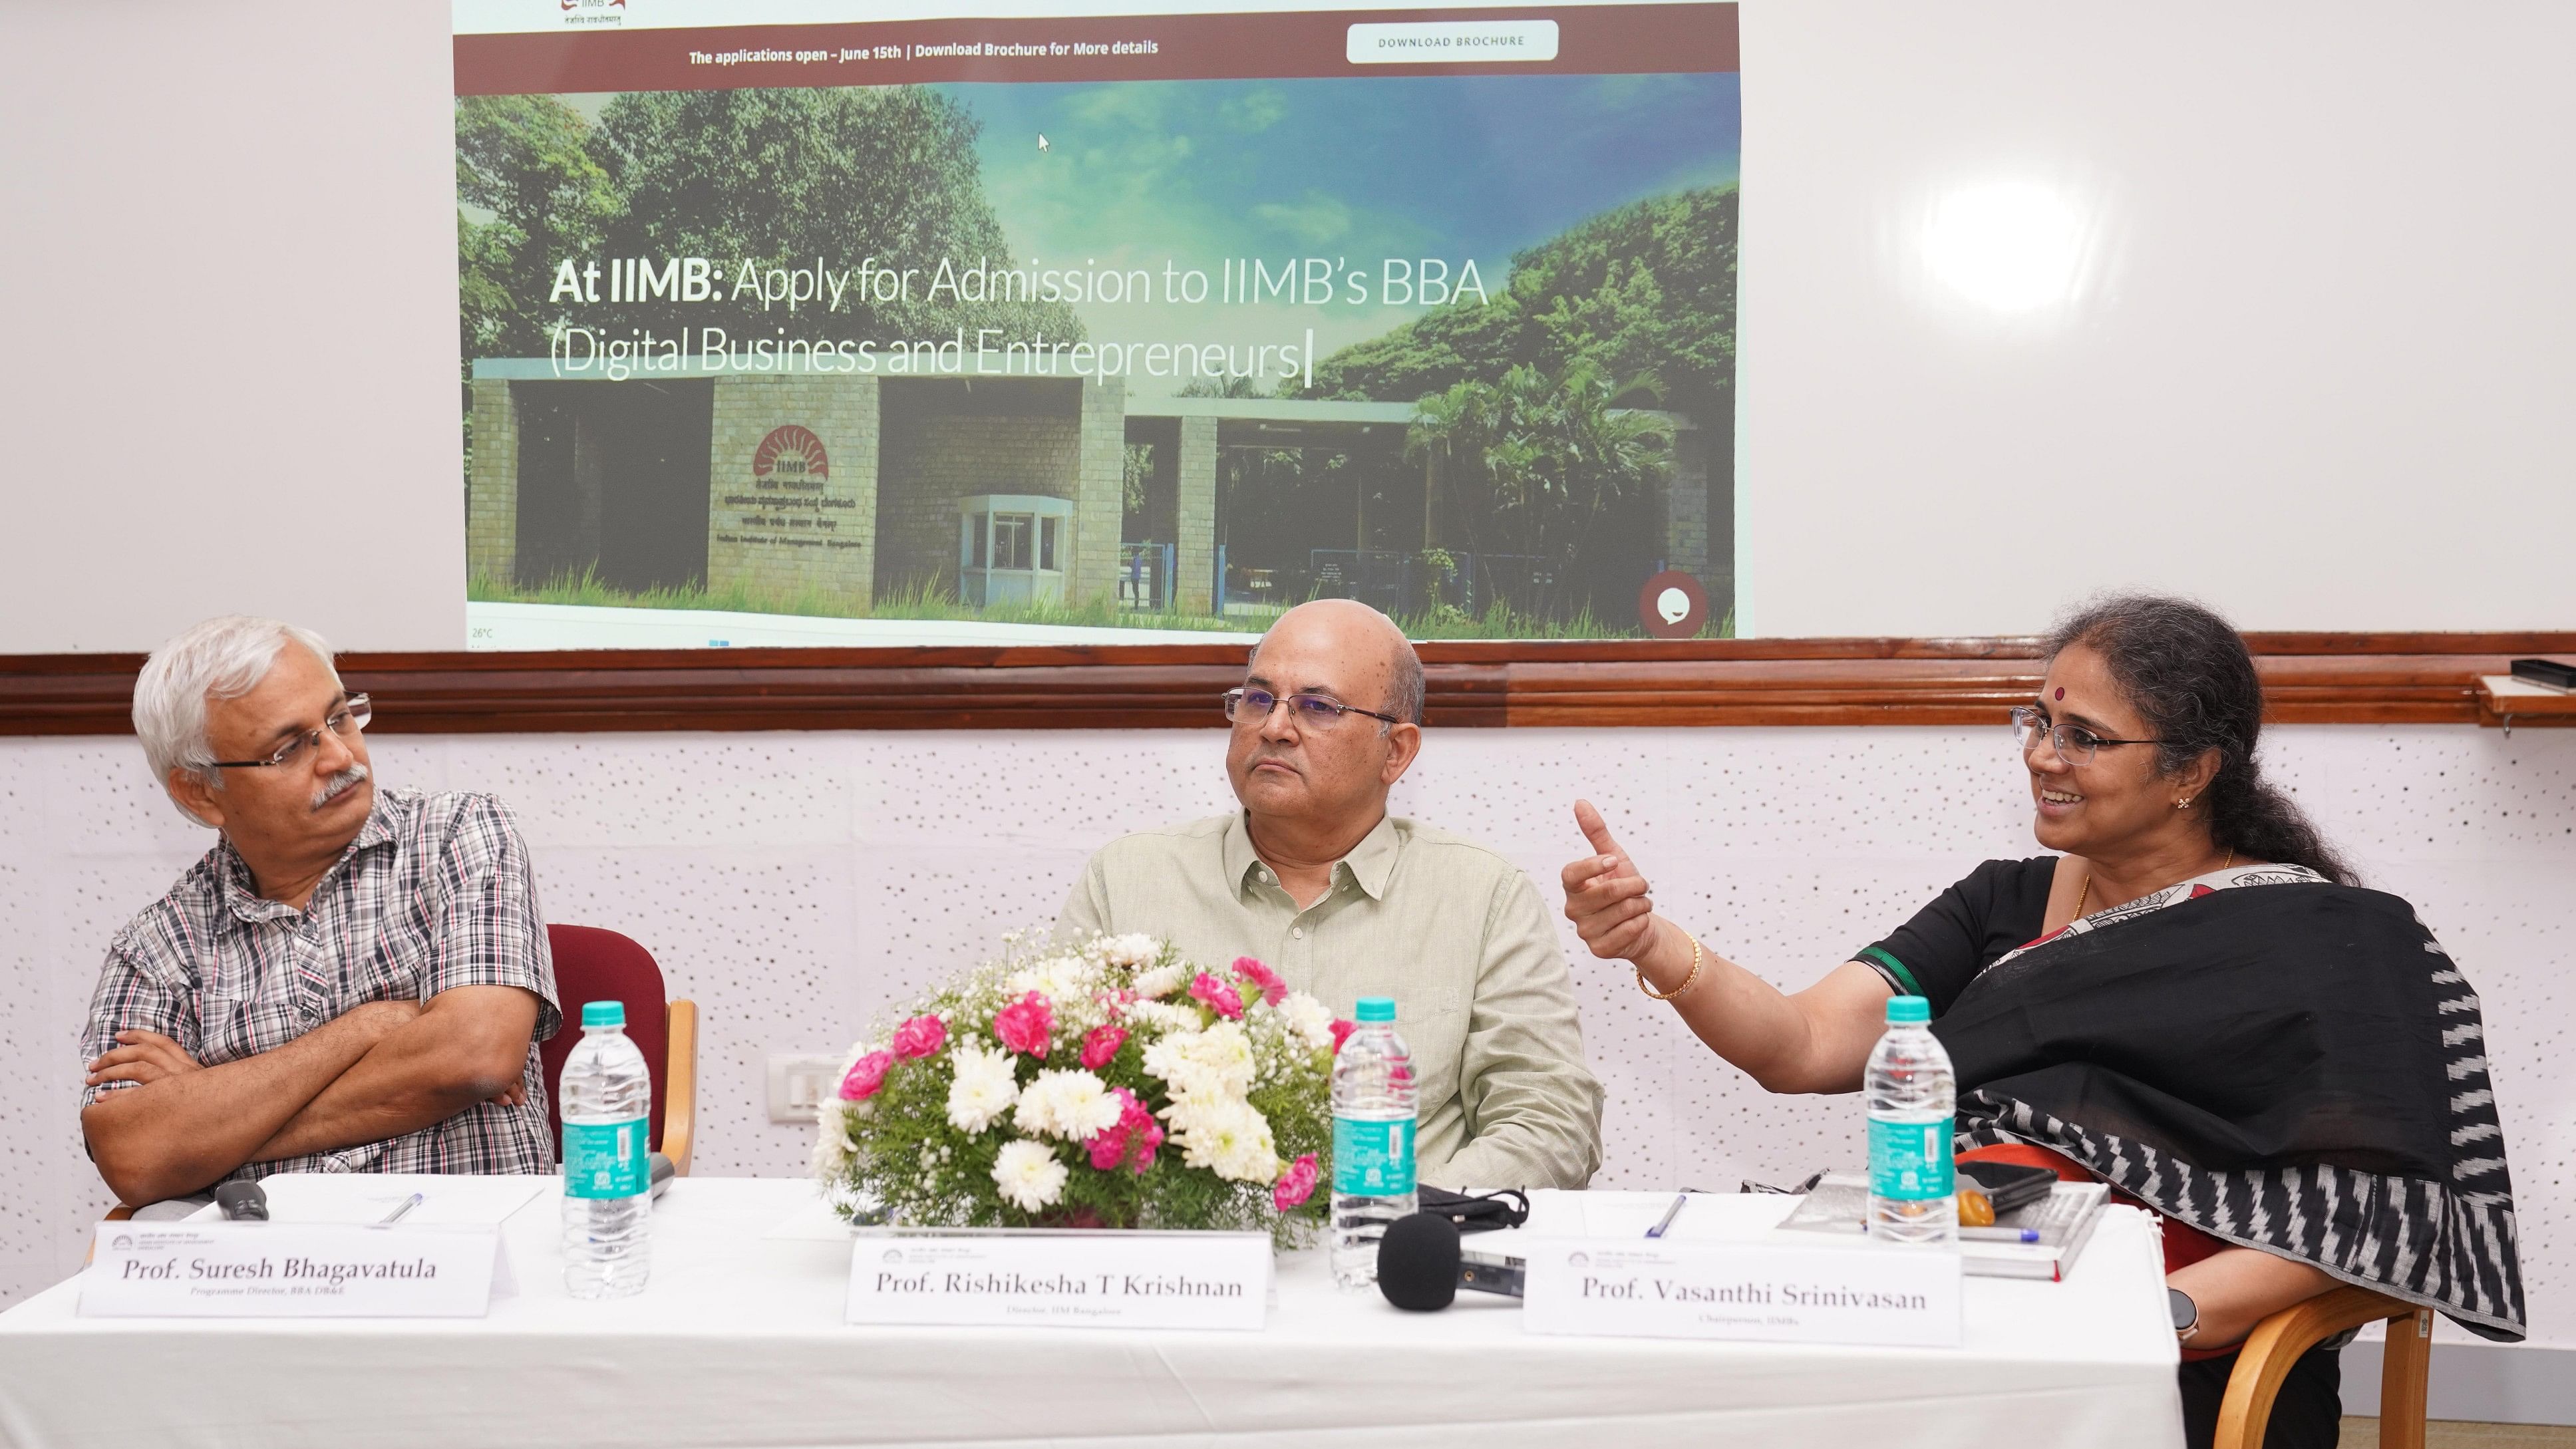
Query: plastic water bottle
{"type": "Point", "coordinates": [1372, 1140]}
{"type": "Point", "coordinates": [608, 1177]}
{"type": "Point", "coordinates": [1912, 1097]}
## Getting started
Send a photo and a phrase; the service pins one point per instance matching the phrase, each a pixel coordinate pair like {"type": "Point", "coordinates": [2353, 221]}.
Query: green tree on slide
{"type": "Point", "coordinates": [779, 177]}
{"type": "Point", "coordinates": [1646, 291]}
{"type": "Point", "coordinates": [525, 161]}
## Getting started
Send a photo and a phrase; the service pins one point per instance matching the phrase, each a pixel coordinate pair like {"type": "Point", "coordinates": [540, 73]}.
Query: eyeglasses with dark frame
{"type": "Point", "coordinates": [347, 720]}
{"type": "Point", "coordinates": [2075, 744]}
{"type": "Point", "coordinates": [1307, 709]}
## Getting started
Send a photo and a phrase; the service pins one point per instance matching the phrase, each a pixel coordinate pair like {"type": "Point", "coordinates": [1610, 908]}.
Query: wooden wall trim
{"type": "Point", "coordinates": [2312, 679]}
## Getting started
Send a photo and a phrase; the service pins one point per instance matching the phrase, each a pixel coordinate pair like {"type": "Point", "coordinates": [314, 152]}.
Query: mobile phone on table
{"type": "Point", "coordinates": [2008, 1185]}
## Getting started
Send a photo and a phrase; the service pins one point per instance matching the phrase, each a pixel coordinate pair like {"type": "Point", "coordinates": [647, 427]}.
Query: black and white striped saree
{"type": "Point", "coordinates": [2280, 1062]}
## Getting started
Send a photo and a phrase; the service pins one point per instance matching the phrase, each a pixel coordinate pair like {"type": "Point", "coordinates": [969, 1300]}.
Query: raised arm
{"type": "Point", "coordinates": [469, 1045]}
{"type": "Point", "coordinates": [162, 1126]}
{"type": "Point", "coordinates": [1816, 1040]}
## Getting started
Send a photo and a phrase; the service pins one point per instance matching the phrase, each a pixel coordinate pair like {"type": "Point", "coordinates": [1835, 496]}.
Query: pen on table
{"type": "Point", "coordinates": [1666, 1221]}
{"type": "Point", "coordinates": [1999, 1235]}
{"type": "Point", "coordinates": [406, 1205]}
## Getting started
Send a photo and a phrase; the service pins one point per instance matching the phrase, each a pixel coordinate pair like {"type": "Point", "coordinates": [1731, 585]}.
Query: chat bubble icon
{"type": "Point", "coordinates": [1674, 605]}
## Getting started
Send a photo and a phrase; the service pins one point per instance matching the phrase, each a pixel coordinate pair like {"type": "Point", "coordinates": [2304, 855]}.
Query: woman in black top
{"type": "Point", "coordinates": [2190, 1000]}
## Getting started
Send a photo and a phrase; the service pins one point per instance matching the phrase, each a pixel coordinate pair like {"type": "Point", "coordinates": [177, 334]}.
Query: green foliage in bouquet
{"type": "Point", "coordinates": [1111, 1084]}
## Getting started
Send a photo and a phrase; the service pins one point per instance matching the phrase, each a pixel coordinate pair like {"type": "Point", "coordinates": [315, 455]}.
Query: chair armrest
{"type": "Point", "coordinates": [2275, 1345]}
{"type": "Point", "coordinates": [680, 1085]}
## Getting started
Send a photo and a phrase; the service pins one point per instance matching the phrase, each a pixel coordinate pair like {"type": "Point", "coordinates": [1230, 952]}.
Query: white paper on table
{"type": "Point", "coordinates": [345, 1197]}
{"type": "Point", "coordinates": [1706, 1217]}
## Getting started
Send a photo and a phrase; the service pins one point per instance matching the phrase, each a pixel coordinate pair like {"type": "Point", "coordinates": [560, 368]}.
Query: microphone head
{"type": "Point", "coordinates": [1417, 1262]}
{"type": "Point", "coordinates": [243, 1202]}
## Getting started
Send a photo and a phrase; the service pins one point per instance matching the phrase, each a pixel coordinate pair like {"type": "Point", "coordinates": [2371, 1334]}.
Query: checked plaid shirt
{"type": "Point", "coordinates": [435, 892]}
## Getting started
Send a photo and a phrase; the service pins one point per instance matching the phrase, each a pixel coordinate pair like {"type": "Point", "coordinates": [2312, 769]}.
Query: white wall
{"type": "Point", "coordinates": [798, 884]}
{"type": "Point", "coordinates": [2314, 368]}
{"type": "Point", "coordinates": [228, 292]}
{"type": "Point", "coordinates": [2316, 374]}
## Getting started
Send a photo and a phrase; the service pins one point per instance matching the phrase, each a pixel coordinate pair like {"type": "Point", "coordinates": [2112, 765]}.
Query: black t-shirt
{"type": "Point", "coordinates": [2001, 905]}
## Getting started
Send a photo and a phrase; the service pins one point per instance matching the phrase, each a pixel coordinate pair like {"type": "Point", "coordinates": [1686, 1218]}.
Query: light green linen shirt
{"type": "Point", "coordinates": [1448, 928]}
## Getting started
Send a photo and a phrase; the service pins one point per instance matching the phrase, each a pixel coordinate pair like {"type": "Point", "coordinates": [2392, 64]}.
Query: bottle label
{"type": "Point", "coordinates": [1910, 1160]}
{"type": "Point", "coordinates": [606, 1159]}
{"type": "Point", "coordinates": [1373, 1158]}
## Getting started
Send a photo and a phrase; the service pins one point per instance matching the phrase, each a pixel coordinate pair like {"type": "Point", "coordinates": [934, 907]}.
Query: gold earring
{"type": "Point", "coordinates": [2183, 804]}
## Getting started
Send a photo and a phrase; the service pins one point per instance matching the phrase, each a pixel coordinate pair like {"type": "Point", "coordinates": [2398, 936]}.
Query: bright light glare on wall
{"type": "Point", "coordinates": [2010, 245]}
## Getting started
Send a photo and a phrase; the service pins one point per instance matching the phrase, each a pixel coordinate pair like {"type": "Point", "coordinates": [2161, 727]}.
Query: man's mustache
{"type": "Point", "coordinates": [339, 785]}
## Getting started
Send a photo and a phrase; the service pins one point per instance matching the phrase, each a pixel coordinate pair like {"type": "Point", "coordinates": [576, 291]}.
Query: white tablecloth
{"type": "Point", "coordinates": [739, 1341]}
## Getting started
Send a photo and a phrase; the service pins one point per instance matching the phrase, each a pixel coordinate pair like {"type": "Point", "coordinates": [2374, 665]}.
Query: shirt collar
{"type": "Point", "coordinates": [241, 891]}
{"type": "Point", "coordinates": [1371, 863]}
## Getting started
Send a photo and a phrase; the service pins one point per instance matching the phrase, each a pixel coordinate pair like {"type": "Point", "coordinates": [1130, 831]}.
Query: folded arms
{"type": "Point", "coordinates": [380, 1070]}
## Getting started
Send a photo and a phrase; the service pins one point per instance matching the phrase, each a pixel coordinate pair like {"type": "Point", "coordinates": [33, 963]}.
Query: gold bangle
{"type": "Point", "coordinates": [1697, 955]}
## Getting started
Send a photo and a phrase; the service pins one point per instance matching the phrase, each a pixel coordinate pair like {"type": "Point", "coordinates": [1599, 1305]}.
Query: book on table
{"type": "Point", "coordinates": [1839, 1203]}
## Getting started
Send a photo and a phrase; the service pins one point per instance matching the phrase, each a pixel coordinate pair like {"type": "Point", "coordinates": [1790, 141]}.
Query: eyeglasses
{"type": "Point", "coordinates": [2075, 744]}
{"type": "Point", "coordinates": [345, 721]}
{"type": "Point", "coordinates": [1252, 706]}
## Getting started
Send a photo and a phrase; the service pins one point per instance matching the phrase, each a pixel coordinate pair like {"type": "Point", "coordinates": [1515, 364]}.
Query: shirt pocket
{"type": "Point", "coordinates": [391, 961]}
{"type": "Point", "coordinates": [233, 1027]}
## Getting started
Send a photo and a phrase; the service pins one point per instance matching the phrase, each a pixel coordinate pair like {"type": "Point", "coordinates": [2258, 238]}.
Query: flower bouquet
{"type": "Point", "coordinates": [1106, 1085]}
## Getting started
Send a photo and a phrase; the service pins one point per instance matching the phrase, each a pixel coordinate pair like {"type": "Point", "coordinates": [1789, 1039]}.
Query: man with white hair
{"type": "Point", "coordinates": [352, 980]}
{"type": "Point", "coordinates": [1343, 900]}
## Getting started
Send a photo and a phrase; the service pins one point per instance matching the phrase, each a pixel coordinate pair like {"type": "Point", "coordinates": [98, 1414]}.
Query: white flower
{"type": "Point", "coordinates": [1069, 1105]}
{"type": "Point", "coordinates": [833, 1148]}
{"type": "Point", "coordinates": [1310, 1019]}
{"type": "Point", "coordinates": [1161, 981]}
{"type": "Point", "coordinates": [1216, 1062]}
{"type": "Point", "coordinates": [1059, 979]}
{"type": "Point", "coordinates": [1028, 1175]}
{"type": "Point", "coordinates": [1170, 1016]}
{"type": "Point", "coordinates": [983, 1087]}
{"type": "Point", "coordinates": [1130, 951]}
{"type": "Point", "coordinates": [1231, 1138]}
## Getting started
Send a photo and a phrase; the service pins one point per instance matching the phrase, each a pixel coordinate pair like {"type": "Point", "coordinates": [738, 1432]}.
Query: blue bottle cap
{"type": "Point", "coordinates": [1908, 1008]}
{"type": "Point", "coordinates": [602, 1013]}
{"type": "Point", "coordinates": [1375, 1008]}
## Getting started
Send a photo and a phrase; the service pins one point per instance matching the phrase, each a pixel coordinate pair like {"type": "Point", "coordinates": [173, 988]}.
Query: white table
{"type": "Point", "coordinates": [739, 1341]}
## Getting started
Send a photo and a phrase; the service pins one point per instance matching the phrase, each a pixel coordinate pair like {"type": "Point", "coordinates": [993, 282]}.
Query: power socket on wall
{"type": "Point", "coordinates": [798, 1083]}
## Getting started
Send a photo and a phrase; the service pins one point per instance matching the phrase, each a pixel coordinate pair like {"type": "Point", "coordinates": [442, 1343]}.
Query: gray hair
{"type": "Point", "coordinates": [1407, 704]}
{"type": "Point", "coordinates": [222, 658]}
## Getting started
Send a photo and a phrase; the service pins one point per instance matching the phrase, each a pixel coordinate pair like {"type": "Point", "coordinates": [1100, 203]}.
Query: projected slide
{"type": "Point", "coordinates": [1105, 330]}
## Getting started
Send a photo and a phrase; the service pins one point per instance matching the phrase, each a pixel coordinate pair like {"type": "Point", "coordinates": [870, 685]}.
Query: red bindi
{"type": "Point", "coordinates": [2061, 691]}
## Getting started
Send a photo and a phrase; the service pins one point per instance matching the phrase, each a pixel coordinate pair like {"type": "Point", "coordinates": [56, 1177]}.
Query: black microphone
{"type": "Point", "coordinates": [1420, 1266]}
{"type": "Point", "coordinates": [243, 1202]}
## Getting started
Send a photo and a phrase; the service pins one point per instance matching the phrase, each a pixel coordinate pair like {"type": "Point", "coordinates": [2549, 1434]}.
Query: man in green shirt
{"type": "Point", "coordinates": [1313, 877]}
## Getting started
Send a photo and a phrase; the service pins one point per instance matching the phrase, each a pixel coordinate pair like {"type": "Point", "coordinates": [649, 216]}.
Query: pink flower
{"type": "Point", "coordinates": [866, 1075]}
{"type": "Point", "coordinates": [1132, 1142]}
{"type": "Point", "coordinates": [1149, 1135]}
{"type": "Point", "coordinates": [1102, 1044]}
{"type": "Point", "coordinates": [1222, 999]}
{"type": "Point", "coordinates": [1025, 1024]}
{"type": "Point", "coordinates": [1341, 1033]}
{"type": "Point", "coordinates": [920, 1036]}
{"type": "Point", "coordinates": [1295, 1185]}
{"type": "Point", "coordinates": [1273, 990]}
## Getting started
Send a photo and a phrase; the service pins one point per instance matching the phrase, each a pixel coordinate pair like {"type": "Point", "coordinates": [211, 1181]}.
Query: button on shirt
{"type": "Point", "coordinates": [435, 892]}
{"type": "Point", "coordinates": [1451, 930]}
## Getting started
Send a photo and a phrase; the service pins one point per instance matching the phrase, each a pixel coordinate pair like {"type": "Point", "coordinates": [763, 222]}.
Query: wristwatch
{"type": "Point", "coordinates": [2186, 1314]}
